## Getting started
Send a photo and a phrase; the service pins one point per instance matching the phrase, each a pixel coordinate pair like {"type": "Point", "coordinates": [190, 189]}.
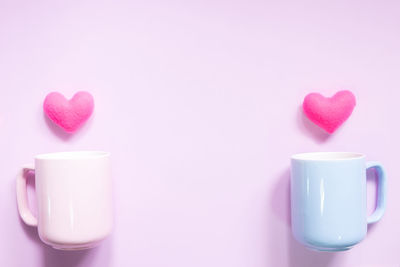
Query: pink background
{"type": "Point", "coordinates": [199, 104]}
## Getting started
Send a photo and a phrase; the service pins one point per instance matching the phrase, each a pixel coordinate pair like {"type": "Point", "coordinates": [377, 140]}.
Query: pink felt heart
{"type": "Point", "coordinates": [69, 114]}
{"type": "Point", "coordinates": [329, 112]}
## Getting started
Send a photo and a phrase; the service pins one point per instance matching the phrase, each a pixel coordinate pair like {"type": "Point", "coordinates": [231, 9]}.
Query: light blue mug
{"type": "Point", "coordinates": [329, 199]}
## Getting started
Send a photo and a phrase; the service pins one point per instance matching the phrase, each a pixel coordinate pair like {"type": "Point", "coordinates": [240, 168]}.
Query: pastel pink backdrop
{"type": "Point", "coordinates": [199, 104]}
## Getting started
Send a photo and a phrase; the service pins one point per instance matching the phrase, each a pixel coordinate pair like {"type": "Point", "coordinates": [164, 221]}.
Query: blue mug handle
{"type": "Point", "coordinates": [381, 196]}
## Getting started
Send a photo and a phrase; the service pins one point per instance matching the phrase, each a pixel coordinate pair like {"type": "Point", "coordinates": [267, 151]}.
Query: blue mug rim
{"type": "Point", "coordinates": [328, 156]}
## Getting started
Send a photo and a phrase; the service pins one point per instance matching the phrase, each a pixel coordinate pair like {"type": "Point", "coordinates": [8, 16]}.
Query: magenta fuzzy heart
{"type": "Point", "coordinates": [329, 112]}
{"type": "Point", "coordinates": [71, 114]}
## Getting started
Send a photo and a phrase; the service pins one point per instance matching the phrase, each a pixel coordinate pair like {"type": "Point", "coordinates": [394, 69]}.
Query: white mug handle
{"type": "Point", "coordinates": [22, 197]}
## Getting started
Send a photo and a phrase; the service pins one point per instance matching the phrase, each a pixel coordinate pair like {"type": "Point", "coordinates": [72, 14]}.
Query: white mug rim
{"type": "Point", "coordinates": [73, 155]}
{"type": "Point", "coordinates": [328, 156]}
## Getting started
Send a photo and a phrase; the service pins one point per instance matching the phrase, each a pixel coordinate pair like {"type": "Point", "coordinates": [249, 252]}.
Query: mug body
{"type": "Point", "coordinates": [74, 193]}
{"type": "Point", "coordinates": [328, 200]}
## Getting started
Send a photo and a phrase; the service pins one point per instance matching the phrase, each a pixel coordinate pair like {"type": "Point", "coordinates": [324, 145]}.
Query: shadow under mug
{"type": "Point", "coordinates": [329, 199]}
{"type": "Point", "coordinates": [74, 195]}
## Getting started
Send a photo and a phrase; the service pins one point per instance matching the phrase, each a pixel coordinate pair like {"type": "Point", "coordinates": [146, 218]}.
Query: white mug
{"type": "Point", "coordinates": [74, 195]}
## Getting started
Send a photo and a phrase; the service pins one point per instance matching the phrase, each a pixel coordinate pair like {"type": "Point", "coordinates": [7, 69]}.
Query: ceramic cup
{"type": "Point", "coordinates": [73, 192]}
{"type": "Point", "coordinates": [328, 199]}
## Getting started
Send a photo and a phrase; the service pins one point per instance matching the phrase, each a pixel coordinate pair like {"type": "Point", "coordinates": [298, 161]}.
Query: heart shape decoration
{"type": "Point", "coordinates": [71, 114]}
{"type": "Point", "coordinates": [329, 112]}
